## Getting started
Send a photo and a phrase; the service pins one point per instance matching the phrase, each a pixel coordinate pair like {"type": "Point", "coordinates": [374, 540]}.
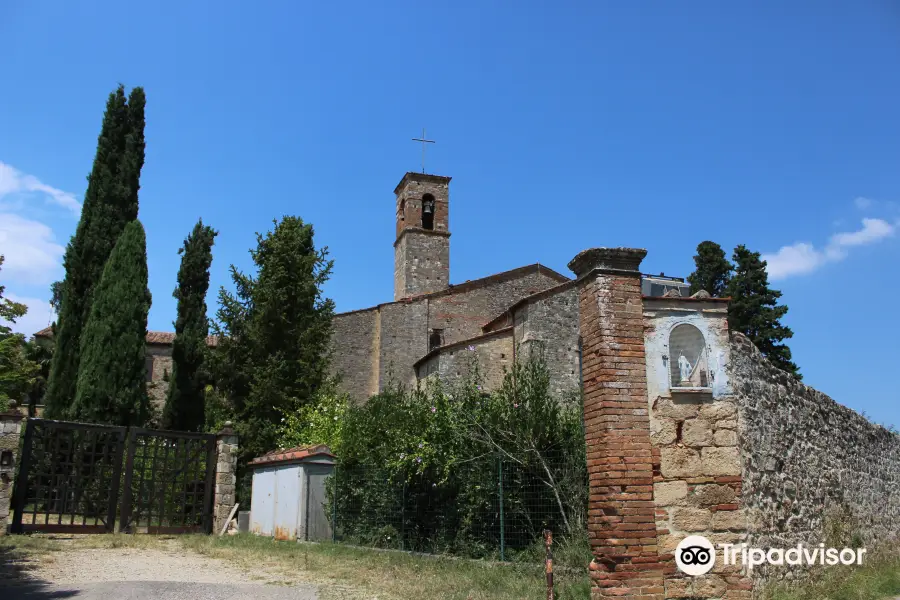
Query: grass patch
{"type": "Point", "coordinates": [349, 572]}
{"type": "Point", "coordinates": [877, 579]}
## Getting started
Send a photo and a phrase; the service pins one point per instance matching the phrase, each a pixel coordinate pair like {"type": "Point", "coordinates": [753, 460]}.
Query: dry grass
{"type": "Point", "coordinates": [349, 572]}
{"type": "Point", "coordinates": [877, 579]}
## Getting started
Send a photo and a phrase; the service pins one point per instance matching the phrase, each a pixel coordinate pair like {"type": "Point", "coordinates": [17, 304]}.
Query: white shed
{"type": "Point", "coordinates": [288, 496]}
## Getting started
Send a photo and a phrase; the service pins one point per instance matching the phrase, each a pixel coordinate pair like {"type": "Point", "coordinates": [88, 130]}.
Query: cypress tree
{"type": "Point", "coordinates": [712, 270]}
{"type": "Point", "coordinates": [110, 202]}
{"type": "Point", "coordinates": [184, 410]}
{"type": "Point", "coordinates": [111, 386]}
{"type": "Point", "coordinates": [754, 309]}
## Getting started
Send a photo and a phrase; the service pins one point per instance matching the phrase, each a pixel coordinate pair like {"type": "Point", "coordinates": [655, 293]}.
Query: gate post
{"type": "Point", "coordinates": [10, 425]}
{"type": "Point", "coordinates": [226, 479]}
{"type": "Point", "coordinates": [621, 511]}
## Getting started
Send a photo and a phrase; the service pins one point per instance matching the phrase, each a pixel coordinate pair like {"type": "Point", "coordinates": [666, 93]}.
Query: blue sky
{"type": "Point", "coordinates": [652, 124]}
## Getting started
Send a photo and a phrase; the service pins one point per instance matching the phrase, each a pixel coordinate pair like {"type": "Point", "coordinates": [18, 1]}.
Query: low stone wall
{"type": "Point", "coordinates": [813, 471]}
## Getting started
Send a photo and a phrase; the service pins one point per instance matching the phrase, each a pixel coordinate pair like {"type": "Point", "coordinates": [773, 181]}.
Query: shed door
{"type": "Point", "coordinates": [318, 525]}
{"type": "Point", "coordinates": [287, 502]}
{"type": "Point", "coordinates": [262, 505]}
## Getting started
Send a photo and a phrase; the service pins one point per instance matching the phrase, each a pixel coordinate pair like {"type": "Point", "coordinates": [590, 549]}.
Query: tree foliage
{"type": "Point", "coordinates": [184, 409]}
{"type": "Point", "coordinates": [754, 309]}
{"type": "Point", "coordinates": [440, 446]}
{"type": "Point", "coordinates": [112, 379]}
{"type": "Point", "coordinates": [712, 270]}
{"type": "Point", "coordinates": [274, 334]}
{"type": "Point", "coordinates": [110, 202]}
{"type": "Point", "coordinates": [17, 370]}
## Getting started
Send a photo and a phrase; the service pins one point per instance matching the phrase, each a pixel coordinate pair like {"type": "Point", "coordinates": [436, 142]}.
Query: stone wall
{"type": "Point", "coordinates": [161, 369]}
{"type": "Point", "coordinates": [355, 347]}
{"type": "Point", "coordinates": [404, 340]}
{"type": "Point", "coordinates": [492, 352]}
{"type": "Point", "coordinates": [813, 471]}
{"type": "Point", "coordinates": [548, 323]}
{"type": "Point", "coordinates": [226, 479]}
{"type": "Point", "coordinates": [463, 311]}
{"type": "Point", "coordinates": [10, 428]}
{"type": "Point", "coordinates": [421, 262]}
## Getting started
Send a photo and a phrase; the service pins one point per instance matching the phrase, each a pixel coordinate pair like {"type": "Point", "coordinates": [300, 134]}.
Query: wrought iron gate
{"type": "Point", "coordinates": [78, 478]}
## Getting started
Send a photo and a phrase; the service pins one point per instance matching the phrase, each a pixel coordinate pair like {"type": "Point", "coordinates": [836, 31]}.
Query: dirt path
{"type": "Point", "coordinates": [166, 571]}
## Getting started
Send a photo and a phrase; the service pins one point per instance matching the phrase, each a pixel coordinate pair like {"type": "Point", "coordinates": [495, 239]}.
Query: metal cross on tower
{"type": "Point", "coordinates": [424, 141]}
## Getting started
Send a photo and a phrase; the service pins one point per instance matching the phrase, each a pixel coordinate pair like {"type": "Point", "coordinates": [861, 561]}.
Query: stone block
{"type": "Point", "coordinates": [683, 409]}
{"type": "Point", "coordinates": [725, 437]}
{"type": "Point", "coordinates": [691, 519]}
{"type": "Point", "coordinates": [718, 410]}
{"type": "Point", "coordinates": [709, 586]}
{"type": "Point", "coordinates": [721, 461]}
{"type": "Point", "coordinates": [679, 462]}
{"type": "Point", "coordinates": [710, 495]}
{"type": "Point", "coordinates": [679, 588]}
{"type": "Point", "coordinates": [696, 432]}
{"type": "Point", "coordinates": [725, 520]}
{"type": "Point", "coordinates": [669, 492]}
{"type": "Point", "coordinates": [663, 431]}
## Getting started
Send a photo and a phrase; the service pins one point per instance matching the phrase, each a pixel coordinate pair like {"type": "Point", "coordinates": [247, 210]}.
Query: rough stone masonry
{"type": "Point", "coordinates": [710, 441]}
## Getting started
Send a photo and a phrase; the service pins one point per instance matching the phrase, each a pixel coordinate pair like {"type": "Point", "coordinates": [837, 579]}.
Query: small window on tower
{"type": "Point", "coordinates": [401, 213]}
{"type": "Point", "coordinates": [427, 211]}
{"type": "Point", "coordinates": [435, 339]}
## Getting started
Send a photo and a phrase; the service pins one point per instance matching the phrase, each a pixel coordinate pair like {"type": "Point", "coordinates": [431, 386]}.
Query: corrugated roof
{"type": "Point", "coordinates": [292, 454]}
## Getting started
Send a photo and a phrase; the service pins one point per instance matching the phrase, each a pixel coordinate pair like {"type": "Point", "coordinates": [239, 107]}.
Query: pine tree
{"type": "Point", "coordinates": [111, 385]}
{"type": "Point", "coordinates": [184, 410]}
{"type": "Point", "coordinates": [274, 334]}
{"type": "Point", "coordinates": [110, 202]}
{"type": "Point", "coordinates": [712, 270]}
{"type": "Point", "coordinates": [754, 309]}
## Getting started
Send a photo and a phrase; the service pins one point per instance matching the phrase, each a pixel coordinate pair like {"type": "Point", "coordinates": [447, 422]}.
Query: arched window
{"type": "Point", "coordinates": [435, 339]}
{"type": "Point", "coordinates": [401, 212]}
{"type": "Point", "coordinates": [427, 211]}
{"type": "Point", "coordinates": [688, 361]}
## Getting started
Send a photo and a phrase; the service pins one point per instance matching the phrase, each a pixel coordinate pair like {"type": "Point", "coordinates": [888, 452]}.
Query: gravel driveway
{"type": "Point", "coordinates": [127, 573]}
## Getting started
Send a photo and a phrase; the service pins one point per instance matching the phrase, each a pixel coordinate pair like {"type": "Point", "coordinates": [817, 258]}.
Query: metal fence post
{"type": "Point", "coordinates": [334, 501]}
{"type": "Point", "coordinates": [403, 517]}
{"type": "Point", "coordinates": [502, 524]}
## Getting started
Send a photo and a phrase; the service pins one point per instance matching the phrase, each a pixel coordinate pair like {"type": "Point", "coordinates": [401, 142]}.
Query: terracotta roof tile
{"type": "Point", "coordinates": [298, 453]}
{"type": "Point", "coordinates": [153, 337]}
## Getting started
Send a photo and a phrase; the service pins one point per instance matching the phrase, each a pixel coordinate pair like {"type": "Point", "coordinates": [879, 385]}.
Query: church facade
{"type": "Point", "coordinates": [433, 328]}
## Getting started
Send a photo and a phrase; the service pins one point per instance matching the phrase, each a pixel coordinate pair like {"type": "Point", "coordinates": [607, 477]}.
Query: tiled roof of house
{"type": "Point", "coordinates": [292, 454]}
{"type": "Point", "coordinates": [164, 338]}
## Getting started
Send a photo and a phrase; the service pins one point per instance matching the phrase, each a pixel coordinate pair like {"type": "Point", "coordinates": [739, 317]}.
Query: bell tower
{"type": "Point", "coordinates": [422, 247]}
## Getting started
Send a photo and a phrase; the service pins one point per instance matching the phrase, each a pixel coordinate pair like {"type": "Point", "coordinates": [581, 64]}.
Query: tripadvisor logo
{"type": "Point", "coordinates": [695, 555]}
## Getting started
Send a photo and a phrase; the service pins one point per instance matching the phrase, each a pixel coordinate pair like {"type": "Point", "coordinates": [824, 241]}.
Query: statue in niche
{"type": "Point", "coordinates": [685, 369]}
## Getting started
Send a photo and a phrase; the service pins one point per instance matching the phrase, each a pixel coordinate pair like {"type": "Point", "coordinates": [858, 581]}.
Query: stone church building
{"type": "Point", "coordinates": [433, 328]}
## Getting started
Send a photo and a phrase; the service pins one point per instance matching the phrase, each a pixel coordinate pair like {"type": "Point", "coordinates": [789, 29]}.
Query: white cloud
{"type": "Point", "coordinates": [863, 203]}
{"type": "Point", "coordinates": [13, 181]}
{"type": "Point", "coordinates": [39, 315]}
{"type": "Point", "coordinates": [31, 253]}
{"type": "Point", "coordinates": [803, 257]}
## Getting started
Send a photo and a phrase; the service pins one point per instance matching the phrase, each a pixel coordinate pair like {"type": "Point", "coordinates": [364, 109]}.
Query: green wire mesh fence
{"type": "Point", "coordinates": [496, 507]}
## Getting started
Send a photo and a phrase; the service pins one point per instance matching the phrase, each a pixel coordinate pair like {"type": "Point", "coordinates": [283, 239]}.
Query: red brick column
{"type": "Point", "coordinates": [621, 511]}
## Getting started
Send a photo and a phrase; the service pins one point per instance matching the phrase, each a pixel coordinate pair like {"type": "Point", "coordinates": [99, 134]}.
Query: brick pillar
{"type": "Point", "coordinates": [226, 479]}
{"type": "Point", "coordinates": [621, 512]}
{"type": "Point", "coordinates": [10, 425]}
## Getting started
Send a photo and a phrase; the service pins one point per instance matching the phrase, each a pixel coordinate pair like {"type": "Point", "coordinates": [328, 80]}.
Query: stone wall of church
{"type": "Point", "coordinates": [159, 371]}
{"type": "Point", "coordinates": [355, 342]}
{"type": "Point", "coordinates": [404, 340]}
{"type": "Point", "coordinates": [463, 313]}
{"type": "Point", "coordinates": [493, 353]}
{"type": "Point", "coordinates": [421, 263]}
{"type": "Point", "coordinates": [549, 325]}
{"type": "Point", "coordinates": [813, 471]}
